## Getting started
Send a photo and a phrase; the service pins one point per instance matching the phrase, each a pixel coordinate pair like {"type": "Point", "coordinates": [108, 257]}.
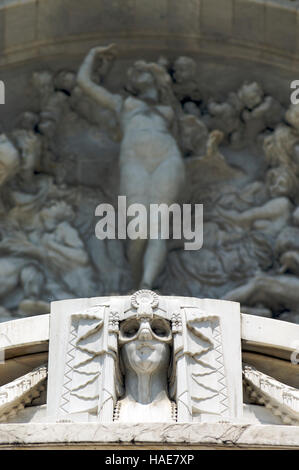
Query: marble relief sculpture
{"type": "Point", "coordinates": [151, 165]}
{"type": "Point", "coordinates": [155, 137]}
{"type": "Point", "coordinates": [145, 358]}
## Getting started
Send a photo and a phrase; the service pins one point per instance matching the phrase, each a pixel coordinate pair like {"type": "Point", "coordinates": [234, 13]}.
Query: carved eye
{"type": "Point", "coordinates": [160, 328]}
{"type": "Point", "coordinates": [130, 328]}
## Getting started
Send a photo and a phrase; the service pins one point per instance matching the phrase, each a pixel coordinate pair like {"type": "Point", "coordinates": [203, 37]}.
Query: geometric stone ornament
{"type": "Point", "coordinates": [122, 358]}
{"type": "Point", "coordinates": [15, 395]}
{"type": "Point", "coordinates": [282, 400]}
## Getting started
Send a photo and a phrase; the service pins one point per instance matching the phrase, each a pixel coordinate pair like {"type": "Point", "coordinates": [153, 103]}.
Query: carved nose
{"type": "Point", "coordinates": [145, 332]}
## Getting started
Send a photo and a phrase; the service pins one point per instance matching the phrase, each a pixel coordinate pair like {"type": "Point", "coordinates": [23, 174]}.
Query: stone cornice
{"type": "Point", "coordinates": [148, 436]}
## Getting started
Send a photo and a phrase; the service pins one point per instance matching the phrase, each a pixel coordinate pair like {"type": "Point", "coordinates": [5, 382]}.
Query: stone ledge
{"type": "Point", "coordinates": [33, 332]}
{"type": "Point", "coordinates": [31, 28]}
{"type": "Point", "coordinates": [150, 436]}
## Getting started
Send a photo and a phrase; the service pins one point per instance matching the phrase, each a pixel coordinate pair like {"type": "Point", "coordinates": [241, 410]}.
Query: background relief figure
{"type": "Point", "coordinates": [151, 165]}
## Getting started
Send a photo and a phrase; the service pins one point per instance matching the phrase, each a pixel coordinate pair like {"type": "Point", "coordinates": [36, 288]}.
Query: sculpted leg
{"type": "Point", "coordinates": [135, 253]}
{"type": "Point", "coordinates": [276, 292]}
{"type": "Point", "coordinates": [242, 294]}
{"type": "Point", "coordinates": [154, 260]}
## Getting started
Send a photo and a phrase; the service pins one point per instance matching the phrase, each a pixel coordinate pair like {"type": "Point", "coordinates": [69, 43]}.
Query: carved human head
{"type": "Point", "coordinates": [281, 182]}
{"type": "Point", "coordinates": [144, 77]}
{"type": "Point", "coordinates": [55, 213]}
{"type": "Point", "coordinates": [32, 280]}
{"type": "Point", "coordinates": [9, 159]}
{"type": "Point", "coordinates": [145, 344]}
{"type": "Point", "coordinates": [29, 145]}
{"type": "Point", "coordinates": [251, 95]}
{"type": "Point", "coordinates": [194, 133]}
{"type": "Point", "coordinates": [43, 83]}
{"type": "Point", "coordinates": [184, 69]}
{"type": "Point", "coordinates": [65, 80]}
{"type": "Point", "coordinates": [139, 79]}
{"type": "Point", "coordinates": [279, 146]}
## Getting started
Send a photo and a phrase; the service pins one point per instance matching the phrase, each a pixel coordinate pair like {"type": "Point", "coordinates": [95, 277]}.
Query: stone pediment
{"type": "Point", "coordinates": [145, 357]}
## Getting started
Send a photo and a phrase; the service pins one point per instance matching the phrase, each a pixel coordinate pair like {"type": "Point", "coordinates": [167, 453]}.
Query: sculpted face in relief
{"type": "Point", "coordinates": [145, 342]}
{"type": "Point", "coordinates": [145, 358]}
{"type": "Point", "coordinates": [145, 345]}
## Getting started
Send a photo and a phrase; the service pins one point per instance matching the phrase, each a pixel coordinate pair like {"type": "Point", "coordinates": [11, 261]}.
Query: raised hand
{"type": "Point", "coordinates": [109, 52]}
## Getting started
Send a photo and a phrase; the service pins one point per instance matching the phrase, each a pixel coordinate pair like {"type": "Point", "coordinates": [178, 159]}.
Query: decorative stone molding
{"type": "Point", "coordinates": [280, 399]}
{"type": "Point", "coordinates": [148, 436]}
{"type": "Point", "coordinates": [144, 301]}
{"type": "Point", "coordinates": [45, 26]}
{"type": "Point", "coordinates": [19, 393]}
{"type": "Point", "coordinates": [114, 322]}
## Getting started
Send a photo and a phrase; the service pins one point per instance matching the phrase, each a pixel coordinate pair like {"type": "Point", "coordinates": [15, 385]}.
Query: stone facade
{"type": "Point", "coordinates": [168, 102]}
{"type": "Point", "coordinates": [267, 415]}
{"type": "Point", "coordinates": [202, 378]}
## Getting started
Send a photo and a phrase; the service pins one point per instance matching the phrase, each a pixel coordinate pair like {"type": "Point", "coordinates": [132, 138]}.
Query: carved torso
{"type": "Point", "coordinates": [146, 136]}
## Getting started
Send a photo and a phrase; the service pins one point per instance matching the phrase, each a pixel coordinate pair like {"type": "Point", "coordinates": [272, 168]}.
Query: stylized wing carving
{"type": "Point", "coordinates": [207, 372]}
{"type": "Point", "coordinates": [84, 361]}
{"type": "Point", "coordinates": [203, 390]}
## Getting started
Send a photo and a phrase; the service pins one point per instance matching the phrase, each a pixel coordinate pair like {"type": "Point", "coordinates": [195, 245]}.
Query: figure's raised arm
{"type": "Point", "coordinates": [102, 96]}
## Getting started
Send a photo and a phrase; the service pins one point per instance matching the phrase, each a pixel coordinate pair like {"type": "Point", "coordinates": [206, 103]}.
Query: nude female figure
{"type": "Point", "coordinates": [151, 166]}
